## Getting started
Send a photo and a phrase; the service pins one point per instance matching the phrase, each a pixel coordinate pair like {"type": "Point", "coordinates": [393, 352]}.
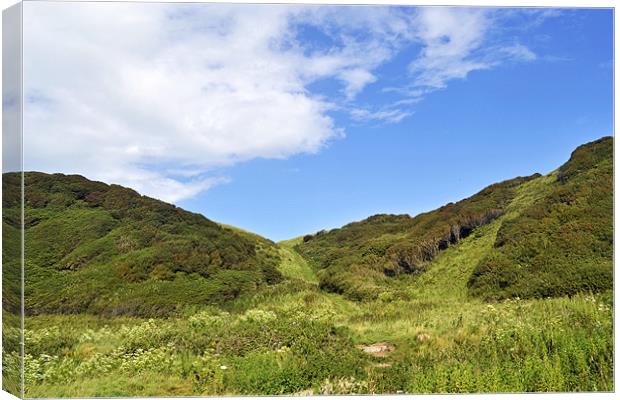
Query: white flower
{"type": "Point", "coordinates": [223, 367]}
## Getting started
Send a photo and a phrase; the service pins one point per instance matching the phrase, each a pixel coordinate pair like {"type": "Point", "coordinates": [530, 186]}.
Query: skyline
{"type": "Point", "coordinates": [279, 120]}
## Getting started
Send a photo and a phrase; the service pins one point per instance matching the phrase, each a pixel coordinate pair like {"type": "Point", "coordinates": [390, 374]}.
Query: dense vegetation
{"type": "Point", "coordinates": [358, 259]}
{"type": "Point", "coordinates": [104, 322]}
{"type": "Point", "coordinates": [91, 247]}
{"type": "Point", "coordinates": [562, 244]}
{"type": "Point", "coordinates": [11, 285]}
{"type": "Point", "coordinates": [304, 342]}
{"type": "Point", "coordinates": [11, 247]}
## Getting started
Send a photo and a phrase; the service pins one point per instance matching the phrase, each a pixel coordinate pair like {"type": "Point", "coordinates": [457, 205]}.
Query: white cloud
{"type": "Point", "coordinates": [160, 96]}
{"type": "Point", "coordinates": [393, 115]}
{"type": "Point", "coordinates": [11, 143]}
{"type": "Point", "coordinates": [519, 52]}
{"type": "Point", "coordinates": [449, 37]}
{"type": "Point", "coordinates": [455, 43]}
{"type": "Point", "coordinates": [118, 90]}
{"type": "Point", "coordinates": [356, 80]}
{"type": "Point", "coordinates": [168, 189]}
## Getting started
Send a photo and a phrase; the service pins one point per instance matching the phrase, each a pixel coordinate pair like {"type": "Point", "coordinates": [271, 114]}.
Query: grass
{"type": "Point", "coordinates": [450, 271]}
{"type": "Point", "coordinates": [289, 344]}
{"type": "Point", "coordinates": [294, 266]}
{"type": "Point", "coordinates": [360, 259]}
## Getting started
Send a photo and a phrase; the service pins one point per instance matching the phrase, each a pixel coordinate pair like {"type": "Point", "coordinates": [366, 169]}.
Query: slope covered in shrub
{"type": "Point", "coordinates": [360, 259]}
{"type": "Point", "coordinates": [562, 244]}
{"type": "Point", "coordinates": [92, 247]}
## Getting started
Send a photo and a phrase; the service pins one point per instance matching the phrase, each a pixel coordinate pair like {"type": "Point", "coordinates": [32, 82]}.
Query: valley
{"type": "Point", "coordinates": [509, 290]}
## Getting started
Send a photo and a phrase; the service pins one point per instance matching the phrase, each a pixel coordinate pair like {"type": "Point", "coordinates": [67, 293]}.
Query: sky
{"type": "Point", "coordinates": [288, 119]}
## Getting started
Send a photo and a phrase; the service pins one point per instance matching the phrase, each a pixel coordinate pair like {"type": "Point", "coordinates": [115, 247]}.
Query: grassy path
{"type": "Point", "coordinates": [293, 265]}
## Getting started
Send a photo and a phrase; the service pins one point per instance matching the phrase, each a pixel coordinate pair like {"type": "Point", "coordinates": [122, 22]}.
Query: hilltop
{"type": "Point", "coordinates": [562, 244]}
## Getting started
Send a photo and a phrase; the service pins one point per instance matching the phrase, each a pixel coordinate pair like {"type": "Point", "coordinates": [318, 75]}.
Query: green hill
{"type": "Point", "coordinates": [361, 259]}
{"type": "Point", "coordinates": [560, 245]}
{"type": "Point", "coordinates": [97, 248]}
{"type": "Point", "coordinates": [105, 249]}
{"type": "Point", "coordinates": [563, 243]}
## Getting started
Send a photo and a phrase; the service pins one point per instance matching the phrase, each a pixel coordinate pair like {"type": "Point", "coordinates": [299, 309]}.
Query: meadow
{"type": "Point", "coordinates": [306, 344]}
{"type": "Point", "coordinates": [293, 338]}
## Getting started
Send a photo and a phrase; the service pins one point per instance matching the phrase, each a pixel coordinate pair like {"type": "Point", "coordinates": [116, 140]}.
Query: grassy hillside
{"type": "Point", "coordinates": [429, 301]}
{"type": "Point", "coordinates": [102, 249]}
{"type": "Point", "coordinates": [361, 259]}
{"type": "Point", "coordinates": [561, 244]}
{"type": "Point", "coordinates": [293, 338]}
{"type": "Point", "coordinates": [11, 244]}
{"type": "Point", "coordinates": [11, 288]}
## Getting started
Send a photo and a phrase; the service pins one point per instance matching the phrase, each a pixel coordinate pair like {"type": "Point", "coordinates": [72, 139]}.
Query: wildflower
{"type": "Point", "coordinates": [282, 349]}
{"type": "Point", "coordinates": [223, 367]}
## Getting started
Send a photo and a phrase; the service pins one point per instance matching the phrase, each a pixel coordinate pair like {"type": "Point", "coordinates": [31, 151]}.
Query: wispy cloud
{"type": "Point", "coordinates": [518, 52]}
{"type": "Point", "coordinates": [455, 43]}
{"type": "Point", "coordinates": [393, 115]}
{"type": "Point", "coordinates": [356, 80]}
{"type": "Point", "coordinates": [449, 37]}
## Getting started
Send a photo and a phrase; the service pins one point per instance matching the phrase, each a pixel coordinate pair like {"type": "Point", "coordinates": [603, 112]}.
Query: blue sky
{"type": "Point", "coordinates": [296, 119]}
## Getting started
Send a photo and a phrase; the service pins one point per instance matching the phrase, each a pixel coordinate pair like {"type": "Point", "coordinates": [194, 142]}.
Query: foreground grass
{"type": "Point", "coordinates": [290, 346]}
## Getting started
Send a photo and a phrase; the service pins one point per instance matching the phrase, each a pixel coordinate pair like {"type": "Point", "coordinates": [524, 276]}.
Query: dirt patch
{"type": "Point", "coordinates": [377, 349]}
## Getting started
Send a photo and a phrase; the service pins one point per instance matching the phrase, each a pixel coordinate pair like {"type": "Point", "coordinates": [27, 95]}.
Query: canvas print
{"type": "Point", "coordinates": [253, 199]}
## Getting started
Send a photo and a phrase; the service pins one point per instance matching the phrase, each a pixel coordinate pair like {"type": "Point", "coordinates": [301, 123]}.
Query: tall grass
{"type": "Point", "coordinates": [305, 342]}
